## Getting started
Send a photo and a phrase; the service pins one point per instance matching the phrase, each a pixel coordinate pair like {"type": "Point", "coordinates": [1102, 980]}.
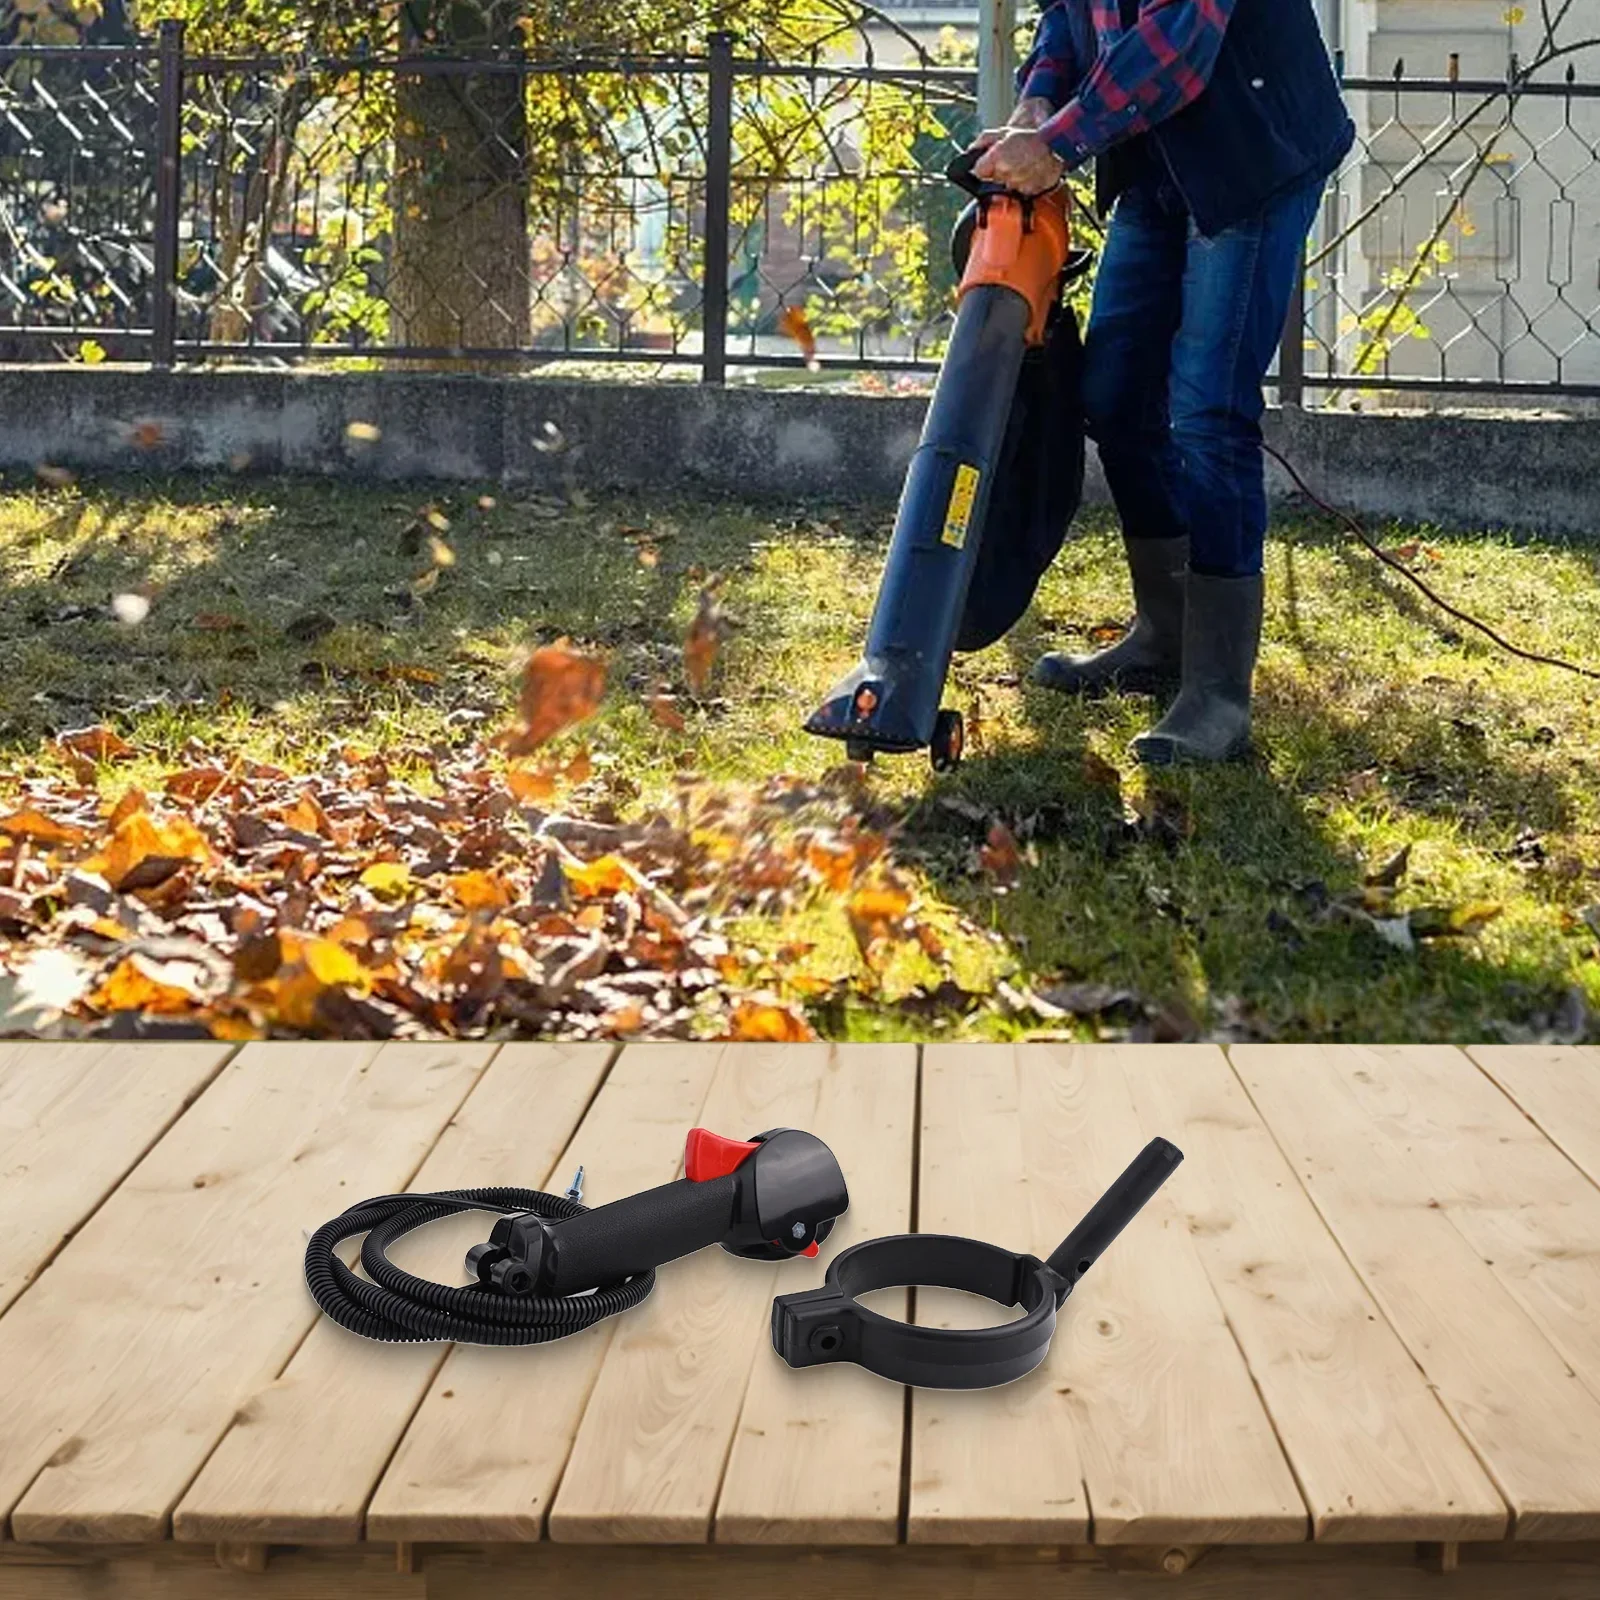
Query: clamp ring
{"type": "Point", "coordinates": [818, 1326]}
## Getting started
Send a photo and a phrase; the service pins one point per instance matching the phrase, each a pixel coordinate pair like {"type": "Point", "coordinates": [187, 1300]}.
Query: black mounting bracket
{"type": "Point", "coordinates": [819, 1326]}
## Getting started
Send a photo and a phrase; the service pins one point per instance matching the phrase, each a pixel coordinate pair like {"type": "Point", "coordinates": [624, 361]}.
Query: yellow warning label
{"type": "Point", "coordinates": [958, 518]}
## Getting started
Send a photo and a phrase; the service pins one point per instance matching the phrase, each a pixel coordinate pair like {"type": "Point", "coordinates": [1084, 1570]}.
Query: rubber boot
{"type": "Point", "coordinates": [1210, 719]}
{"type": "Point", "coordinates": [1146, 659]}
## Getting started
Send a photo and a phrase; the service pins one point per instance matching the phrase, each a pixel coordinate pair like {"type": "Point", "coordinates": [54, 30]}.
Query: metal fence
{"type": "Point", "coordinates": [1459, 247]}
{"type": "Point", "coordinates": [711, 208]}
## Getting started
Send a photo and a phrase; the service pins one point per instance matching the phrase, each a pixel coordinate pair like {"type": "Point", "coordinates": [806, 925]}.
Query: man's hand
{"type": "Point", "coordinates": [1020, 159]}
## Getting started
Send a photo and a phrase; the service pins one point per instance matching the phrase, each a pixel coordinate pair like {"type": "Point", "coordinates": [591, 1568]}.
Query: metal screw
{"type": "Point", "coordinates": [798, 1231]}
{"type": "Point", "coordinates": [575, 1189]}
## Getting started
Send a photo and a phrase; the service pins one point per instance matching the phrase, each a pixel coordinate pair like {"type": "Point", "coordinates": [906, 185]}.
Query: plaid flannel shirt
{"type": "Point", "coordinates": [1136, 76]}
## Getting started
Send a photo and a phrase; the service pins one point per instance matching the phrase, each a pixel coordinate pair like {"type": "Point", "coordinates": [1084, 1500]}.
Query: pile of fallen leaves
{"type": "Point", "coordinates": [237, 900]}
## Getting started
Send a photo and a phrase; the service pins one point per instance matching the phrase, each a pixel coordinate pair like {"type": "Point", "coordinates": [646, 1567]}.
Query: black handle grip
{"type": "Point", "coordinates": [632, 1235]}
{"type": "Point", "coordinates": [1113, 1211]}
{"type": "Point", "coordinates": [960, 173]}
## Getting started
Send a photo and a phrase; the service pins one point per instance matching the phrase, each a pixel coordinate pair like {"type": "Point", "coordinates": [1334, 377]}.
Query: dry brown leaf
{"type": "Point", "coordinates": [257, 957]}
{"type": "Point", "coordinates": [560, 686]}
{"type": "Point", "coordinates": [291, 998]}
{"type": "Point", "coordinates": [306, 815]}
{"type": "Point", "coordinates": [28, 823]}
{"type": "Point", "coordinates": [217, 622]}
{"type": "Point", "coordinates": [808, 984]}
{"type": "Point", "coordinates": [139, 984]}
{"type": "Point", "coordinates": [480, 891]}
{"type": "Point", "coordinates": [627, 1019]}
{"type": "Point", "coordinates": [388, 880]}
{"type": "Point", "coordinates": [132, 800]}
{"type": "Point", "coordinates": [195, 783]}
{"type": "Point", "coordinates": [98, 744]}
{"type": "Point", "coordinates": [704, 640]}
{"type": "Point", "coordinates": [331, 963]}
{"type": "Point", "coordinates": [605, 875]}
{"type": "Point", "coordinates": [833, 860]}
{"type": "Point", "coordinates": [876, 911]}
{"type": "Point", "coordinates": [350, 930]}
{"type": "Point", "coordinates": [1000, 857]}
{"type": "Point", "coordinates": [768, 1022]}
{"type": "Point", "coordinates": [530, 784]}
{"type": "Point", "coordinates": [794, 323]}
{"type": "Point", "coordinates": [145, 850]}
{"type": "Point", "coordinates": [664, 713]}
{"type": "Point", "coordinates": [229, 1026]}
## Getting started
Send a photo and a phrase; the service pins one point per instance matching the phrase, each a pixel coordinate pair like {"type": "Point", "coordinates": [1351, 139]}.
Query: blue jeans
{"type": "Point", "coordinates": [1181, 334]}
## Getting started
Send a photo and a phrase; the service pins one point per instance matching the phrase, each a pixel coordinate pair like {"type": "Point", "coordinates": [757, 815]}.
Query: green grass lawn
{"type": "Point", "coordinates": [285, 618]}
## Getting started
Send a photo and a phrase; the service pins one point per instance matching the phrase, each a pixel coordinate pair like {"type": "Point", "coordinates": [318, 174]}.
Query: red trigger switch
{"type": "Point", "coordinates": [708, 1155]}
{"type": "Point", "coordinates": [811, 1249]}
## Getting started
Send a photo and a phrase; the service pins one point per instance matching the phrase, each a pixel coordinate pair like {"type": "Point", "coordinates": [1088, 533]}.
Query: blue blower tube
{"type": "Point", "coordinates": [1011, 279]}
{"type": "Point", "coordinates": [900, 677]}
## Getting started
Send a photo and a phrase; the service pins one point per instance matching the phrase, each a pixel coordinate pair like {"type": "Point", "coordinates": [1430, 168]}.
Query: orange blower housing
{"type": "Point", "coordinates": [1021, 245]}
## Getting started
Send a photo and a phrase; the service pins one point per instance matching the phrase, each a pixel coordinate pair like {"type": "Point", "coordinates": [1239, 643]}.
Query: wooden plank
{"type": "Point", "coordinates": [1373, 1171]}
{"type": "Point", "coordinates": [565, 1572]}
{"type": "Point", "coordinates": [649, 1454]}
{"type": "Point", "coordinates": [1000, 1464]}
{"type": "Point", "coordinates": [1145, 1376]}
{"type": "Point", "coordinates": [484, 1453]}
{"type": "Point", "coordinates": [1527, 1210]}
{"type": "Point", "coordinates": [817, 1455]}
{"type": "Point", "coordinates": [1559, 1088]}
{"type": "Point", "coordinates": [301, 1458]}
{"type": "Point", "coordinates": [183, 1294]}
{"type": "Point", "coordinates": [1376, 1455]}
{"type": "Point", "coordinates": [1305, 1572]}
{"type": "Point", "coordinates": [73, 1119]}
{"type": "Point", "coordinates": [188, 1572]}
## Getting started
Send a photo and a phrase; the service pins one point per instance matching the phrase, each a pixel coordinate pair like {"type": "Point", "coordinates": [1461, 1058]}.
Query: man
{"type": "Point", "coordinates": [1214, 125]}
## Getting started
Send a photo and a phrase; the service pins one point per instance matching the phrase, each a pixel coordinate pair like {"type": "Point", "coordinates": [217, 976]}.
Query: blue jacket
{"type": "Point", "coordinates": [1270, 117]}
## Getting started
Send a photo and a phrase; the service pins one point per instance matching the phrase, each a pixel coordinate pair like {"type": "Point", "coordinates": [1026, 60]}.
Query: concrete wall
{"type": "Point", "coordinates": [1537, 476]}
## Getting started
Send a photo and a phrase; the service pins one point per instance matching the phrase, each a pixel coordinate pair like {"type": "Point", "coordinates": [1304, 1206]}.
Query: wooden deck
{"type": "Point", "coordinates": [1352, 1348]}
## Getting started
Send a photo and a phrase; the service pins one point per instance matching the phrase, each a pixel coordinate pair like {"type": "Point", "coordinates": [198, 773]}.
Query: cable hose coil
{"type": "Point", "coordinates": [399, 1307]}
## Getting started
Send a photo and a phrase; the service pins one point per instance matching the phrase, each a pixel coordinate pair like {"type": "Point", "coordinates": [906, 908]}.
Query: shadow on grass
{"type": "Point", "coordinates": [1220, 913]}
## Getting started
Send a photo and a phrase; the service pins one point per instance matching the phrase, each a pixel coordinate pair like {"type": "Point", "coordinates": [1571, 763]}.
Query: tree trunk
{"type": "Point", "coordinates": [460, 271]}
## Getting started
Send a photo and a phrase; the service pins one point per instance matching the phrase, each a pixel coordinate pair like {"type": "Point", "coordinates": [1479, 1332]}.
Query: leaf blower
{"type": "Point", "coordinates": [993, 484]}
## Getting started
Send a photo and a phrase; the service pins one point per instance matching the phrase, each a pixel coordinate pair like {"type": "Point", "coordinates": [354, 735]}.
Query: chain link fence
{"type": "Point", "coordinates": [706, 209]}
